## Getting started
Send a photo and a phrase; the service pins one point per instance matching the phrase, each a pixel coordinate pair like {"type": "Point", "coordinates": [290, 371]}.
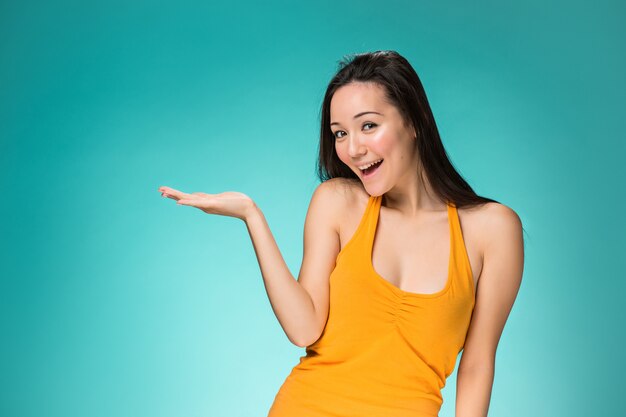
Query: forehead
{"type": "Point", "coordinates": [357, 96]}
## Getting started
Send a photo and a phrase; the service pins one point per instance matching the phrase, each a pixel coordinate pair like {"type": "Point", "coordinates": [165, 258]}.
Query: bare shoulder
{"type": "Point", "coordinates": [342, 196]}
{"type": "Point", "coordinates": [492, 213]}
{"type": "Point", "coordinates": [496, 223]}
{"type": "Point", "coordinates": [499, 283]}
{"type": "Point", "coordinates": [344, 187]}
{"type": "Point", "coordinates": [500, 219]}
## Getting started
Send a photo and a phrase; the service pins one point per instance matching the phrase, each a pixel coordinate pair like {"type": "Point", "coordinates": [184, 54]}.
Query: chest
{"type": "Point", "coordinates": [415, 256]}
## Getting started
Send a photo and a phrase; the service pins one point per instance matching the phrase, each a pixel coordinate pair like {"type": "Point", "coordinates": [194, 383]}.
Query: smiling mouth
{"type": "Point", "coordinates": [371, 169]}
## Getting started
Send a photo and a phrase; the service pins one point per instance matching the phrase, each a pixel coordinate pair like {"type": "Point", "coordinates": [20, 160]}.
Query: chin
{"type": "Point", "coordinates": [373, 192]}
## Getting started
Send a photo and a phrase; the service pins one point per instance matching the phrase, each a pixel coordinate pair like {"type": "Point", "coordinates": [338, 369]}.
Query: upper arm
{"type": "Point", "coordinates": [321, 247]}
{"type": "Point", "coordinates": [499, 283]}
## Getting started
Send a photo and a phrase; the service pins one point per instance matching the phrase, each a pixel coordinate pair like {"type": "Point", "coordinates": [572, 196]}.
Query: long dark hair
{"type": "Point", "coordinates": [404, 90]}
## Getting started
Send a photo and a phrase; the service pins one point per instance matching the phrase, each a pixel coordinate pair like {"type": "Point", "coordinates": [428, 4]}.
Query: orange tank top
{"type": "Point", "coordinates": [383, 351]}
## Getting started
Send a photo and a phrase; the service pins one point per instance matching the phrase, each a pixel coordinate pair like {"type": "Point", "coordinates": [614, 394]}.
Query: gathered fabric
{"type": "Point", "coordinates": [384, 352]}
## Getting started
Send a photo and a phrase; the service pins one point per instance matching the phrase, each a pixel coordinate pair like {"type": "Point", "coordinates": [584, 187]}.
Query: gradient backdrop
{"type": "Point", "coordinates": [117, 302]}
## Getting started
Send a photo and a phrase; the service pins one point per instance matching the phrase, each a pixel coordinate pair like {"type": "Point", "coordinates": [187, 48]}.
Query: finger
{"type": "Point", "coordinates": [164, 188]}
{"type": "Point", "coordinates": [175, 194]}
{"type": "Point", "coordinates": [171, 191]}
{"type": "Point", "coordinates": [187, 202]}
{"type": "Point", "coordinates": [168, 194]}
{"type": "Point", "coordinates": [193, 200]}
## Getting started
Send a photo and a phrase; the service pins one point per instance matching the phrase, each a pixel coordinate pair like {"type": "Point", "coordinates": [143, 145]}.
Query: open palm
{"type": "Point", "coordinates": [229, 203]}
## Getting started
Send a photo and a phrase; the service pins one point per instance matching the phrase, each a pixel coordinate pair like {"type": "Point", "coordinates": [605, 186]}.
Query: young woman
{"type": "Point", "coordinates": [404, 265]}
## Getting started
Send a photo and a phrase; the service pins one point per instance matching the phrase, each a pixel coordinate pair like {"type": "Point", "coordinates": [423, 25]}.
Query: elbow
{"type": "Point", "coordinates": [305, 340]}
{"type": "Point", "coordinates": [297, 341]}
{"type": "Point", "coordinates": [301, 343]}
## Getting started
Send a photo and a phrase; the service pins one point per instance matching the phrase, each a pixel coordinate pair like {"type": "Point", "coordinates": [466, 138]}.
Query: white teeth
{"type": "Point", "coordinates": [369, 165]}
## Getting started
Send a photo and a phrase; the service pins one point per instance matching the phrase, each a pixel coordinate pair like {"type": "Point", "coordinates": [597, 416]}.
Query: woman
{"type": "Point", "coordinates": [391, 288]}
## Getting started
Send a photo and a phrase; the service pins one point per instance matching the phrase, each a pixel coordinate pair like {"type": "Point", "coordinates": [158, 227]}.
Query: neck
{"type": "Point", "coordinates": [412, 197]}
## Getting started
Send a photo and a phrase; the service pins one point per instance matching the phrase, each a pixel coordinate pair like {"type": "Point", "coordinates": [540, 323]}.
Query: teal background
{"type": "Point", "coordinates": [117, 302]}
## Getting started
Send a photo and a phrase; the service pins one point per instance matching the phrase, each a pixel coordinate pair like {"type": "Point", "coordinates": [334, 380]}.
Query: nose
{"type": "Point", "coordinates": [356, 148]}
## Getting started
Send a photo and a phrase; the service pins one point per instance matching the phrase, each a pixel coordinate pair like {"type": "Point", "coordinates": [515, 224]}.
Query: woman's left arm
{"type": "Point", "coordinates": [499, 283]}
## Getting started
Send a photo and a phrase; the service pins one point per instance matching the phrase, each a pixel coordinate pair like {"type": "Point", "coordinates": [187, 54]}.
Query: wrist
{"type": "Point", "coordinates": [252, 211]}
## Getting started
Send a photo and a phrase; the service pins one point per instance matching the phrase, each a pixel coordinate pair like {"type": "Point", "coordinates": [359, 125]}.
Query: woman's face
{"type": "Point", "coordinates": [368, 129]}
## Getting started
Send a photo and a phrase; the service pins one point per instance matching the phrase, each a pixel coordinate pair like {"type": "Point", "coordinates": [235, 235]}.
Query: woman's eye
{"type": "Point", "coordinates": [336, 134]}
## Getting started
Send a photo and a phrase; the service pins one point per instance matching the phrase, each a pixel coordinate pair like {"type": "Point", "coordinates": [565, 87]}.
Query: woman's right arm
{"type": "Point", "coordinates": [301, 306]}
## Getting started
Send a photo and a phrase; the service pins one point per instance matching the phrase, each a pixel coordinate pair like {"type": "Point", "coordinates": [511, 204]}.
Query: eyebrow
{"type": "Point", "coordinates": [356, 116]}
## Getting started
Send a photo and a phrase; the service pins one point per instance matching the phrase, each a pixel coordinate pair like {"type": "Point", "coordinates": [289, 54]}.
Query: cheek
{"type": "Point", "coordinates": [383, 143]}
{"type": "Point", "coordinates": [341, 153]}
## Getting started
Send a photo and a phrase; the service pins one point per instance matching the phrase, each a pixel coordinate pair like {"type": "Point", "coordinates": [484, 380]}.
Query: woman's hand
{"type": "Point", "coordinates": [229, 203]}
